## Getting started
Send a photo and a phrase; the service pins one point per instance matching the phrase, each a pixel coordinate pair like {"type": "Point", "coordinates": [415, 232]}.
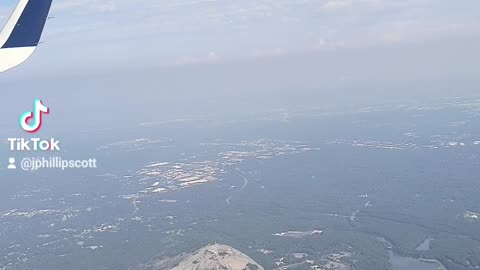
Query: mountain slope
{"type": "Point", "coordinates": [212, 257]}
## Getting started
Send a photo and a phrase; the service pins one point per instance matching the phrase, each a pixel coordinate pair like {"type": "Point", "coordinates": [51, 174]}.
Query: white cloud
{"type": "Point", "coordinates": [333, 5]}
{"type": "Point", "coordinates": [213, 57]}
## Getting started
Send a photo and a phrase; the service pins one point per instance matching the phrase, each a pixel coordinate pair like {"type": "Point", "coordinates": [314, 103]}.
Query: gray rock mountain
{"type": "Point", "coordinates": [212, 257]}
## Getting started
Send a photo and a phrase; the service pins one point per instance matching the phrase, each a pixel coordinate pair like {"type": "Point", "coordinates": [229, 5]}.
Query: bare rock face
{"type": "Point", "coordinates": [212, 257]}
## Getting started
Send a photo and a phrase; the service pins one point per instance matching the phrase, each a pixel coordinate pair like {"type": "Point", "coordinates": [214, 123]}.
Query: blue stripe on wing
{"type": "Point", "coordinates": [29, 28]}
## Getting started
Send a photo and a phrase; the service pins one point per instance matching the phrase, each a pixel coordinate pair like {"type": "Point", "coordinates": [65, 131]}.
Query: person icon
{"type": "Point", "coordinates": [11, 165]}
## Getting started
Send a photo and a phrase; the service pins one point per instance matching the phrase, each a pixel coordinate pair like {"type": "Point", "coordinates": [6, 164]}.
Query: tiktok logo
{"type": "Point", "coordinates": [32, 121]}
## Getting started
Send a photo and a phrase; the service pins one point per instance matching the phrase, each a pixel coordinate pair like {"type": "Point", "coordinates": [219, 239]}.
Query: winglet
{"type": "Point", "coordinates": [21, 35]}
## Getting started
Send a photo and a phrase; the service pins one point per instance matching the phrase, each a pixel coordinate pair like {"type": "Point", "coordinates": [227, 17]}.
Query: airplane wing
{"type": "Point", "coordinates": [21, 35]}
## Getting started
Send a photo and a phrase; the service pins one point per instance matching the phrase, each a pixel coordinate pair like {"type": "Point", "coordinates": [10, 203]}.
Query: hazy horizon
{"type": "Point", "coordinates": [210, 58]}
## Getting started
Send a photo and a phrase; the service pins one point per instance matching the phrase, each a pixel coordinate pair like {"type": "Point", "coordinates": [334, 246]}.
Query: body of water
{"type": "Point", "coordinates": [406, 263]}
{"type": "Point", "coordinates": [425, 245]}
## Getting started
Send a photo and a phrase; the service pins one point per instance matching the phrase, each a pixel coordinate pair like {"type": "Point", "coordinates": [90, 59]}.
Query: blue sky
{"type": "Point", "coordinates": [199, 58]}
{"type": "Point", "coordinates": [112, 33]}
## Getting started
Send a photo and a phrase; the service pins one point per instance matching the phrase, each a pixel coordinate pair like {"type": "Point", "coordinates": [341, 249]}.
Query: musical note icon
{"type": "Point", "coordinates": [32, 121]}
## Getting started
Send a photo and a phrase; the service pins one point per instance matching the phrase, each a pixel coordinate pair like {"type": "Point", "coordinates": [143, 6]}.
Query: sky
{"type": "Point", "coordinates": [106, 33]}
{"type": "Point", "coordinates": [187, 56]}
